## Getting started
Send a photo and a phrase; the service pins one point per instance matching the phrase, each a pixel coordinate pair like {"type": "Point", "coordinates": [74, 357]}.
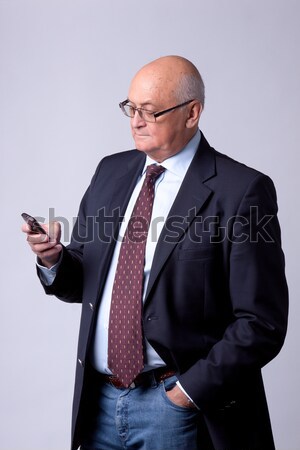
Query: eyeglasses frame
{"type": "Point", "coordinates": [154, 114]}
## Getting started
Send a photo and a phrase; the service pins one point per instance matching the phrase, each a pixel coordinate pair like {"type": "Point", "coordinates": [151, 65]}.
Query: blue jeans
{"type": "Point", "coordinates": [142, 418]}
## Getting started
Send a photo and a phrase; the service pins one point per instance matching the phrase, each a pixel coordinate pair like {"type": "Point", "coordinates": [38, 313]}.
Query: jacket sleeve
{"type": "Point", "coordinates": [68, 283]}
{"type": "Point", "coordinates": [258, 296]}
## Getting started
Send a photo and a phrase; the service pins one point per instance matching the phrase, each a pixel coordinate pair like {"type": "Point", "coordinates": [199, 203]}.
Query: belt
{"type": "Point", "coordinates": [158, 375]}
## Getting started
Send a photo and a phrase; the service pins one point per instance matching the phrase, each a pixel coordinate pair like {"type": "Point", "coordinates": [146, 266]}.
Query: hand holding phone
{"type": "Point", "coordinates": [46, 249]}
{"type": "Point", "coordinates": [34, 224]}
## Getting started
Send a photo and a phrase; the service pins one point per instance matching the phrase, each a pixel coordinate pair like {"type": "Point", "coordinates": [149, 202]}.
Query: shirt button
{"type": "Point", "coordinates": [91, 306]}
{"type": "Point", "coordinates": [81, 362]}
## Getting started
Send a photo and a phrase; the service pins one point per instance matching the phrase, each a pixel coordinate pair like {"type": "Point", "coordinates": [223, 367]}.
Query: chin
{"type": "Point", "coordinates": [142, 146]}
{"type": "Point", "coordinates": [152, 153]}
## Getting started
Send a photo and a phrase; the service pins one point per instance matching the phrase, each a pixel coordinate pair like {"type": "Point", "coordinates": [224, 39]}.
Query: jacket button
{"type": "Point", "coordinates": [149, 318]}
{"type": "Point", "coordinates": [81, 362]}
{"type": "Point", "coordinates": [91, 306]}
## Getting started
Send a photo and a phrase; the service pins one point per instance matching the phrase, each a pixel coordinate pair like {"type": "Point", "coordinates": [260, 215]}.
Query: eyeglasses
{"type": "Point", "coordinates": [148, 116]}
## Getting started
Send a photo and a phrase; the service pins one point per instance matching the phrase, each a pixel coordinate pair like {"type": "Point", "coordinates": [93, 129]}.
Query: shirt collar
{"type": "Point", "coordinates": [179, 163]}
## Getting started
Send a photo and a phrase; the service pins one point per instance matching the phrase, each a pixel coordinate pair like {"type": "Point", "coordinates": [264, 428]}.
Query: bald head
{"type": "Point", "coordinates": [176, 76]}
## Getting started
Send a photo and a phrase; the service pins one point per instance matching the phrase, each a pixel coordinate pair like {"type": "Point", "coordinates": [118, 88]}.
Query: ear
{"type": "Point", "coordinates": [195, 111]}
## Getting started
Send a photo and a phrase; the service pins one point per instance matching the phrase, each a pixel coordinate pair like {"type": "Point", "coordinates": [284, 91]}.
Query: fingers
{"type": "Point", "coordinates": [26, 228]}
{"type": "Point", "coordinates": [46, 247]}
{"type": "Point", "coordinates": [52, 233]}
{"type": "Point", "coordinates": [38, 238]}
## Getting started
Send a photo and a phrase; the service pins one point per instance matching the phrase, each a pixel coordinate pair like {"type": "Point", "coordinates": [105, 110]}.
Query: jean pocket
{"type": "Point", "coordinates": [166, 386]}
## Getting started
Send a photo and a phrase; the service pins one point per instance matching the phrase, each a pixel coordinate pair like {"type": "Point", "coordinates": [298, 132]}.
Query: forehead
{"type": "Point", "coordinates": [152, 87]}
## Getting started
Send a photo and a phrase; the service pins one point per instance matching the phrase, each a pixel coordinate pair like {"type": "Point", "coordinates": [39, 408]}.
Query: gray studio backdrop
{"type": "Point", "coordinates": [65, 65]}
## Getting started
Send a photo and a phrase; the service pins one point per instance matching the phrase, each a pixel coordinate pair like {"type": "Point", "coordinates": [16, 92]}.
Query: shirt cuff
{"type": "Point", "coordinates": [48, 275]}
{"type": "Point", "coordinates": [179, 385]}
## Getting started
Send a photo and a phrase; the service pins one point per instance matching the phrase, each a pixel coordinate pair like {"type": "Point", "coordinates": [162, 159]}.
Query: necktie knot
{"type": "Point", "coordinates": [153, 171]}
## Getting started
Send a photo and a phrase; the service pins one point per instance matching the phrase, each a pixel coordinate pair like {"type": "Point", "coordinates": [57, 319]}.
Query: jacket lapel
{"type": "Point", "coordinates": [191, 197]}
{"type": "Point", "coordinates": [123, 188]}
{"type": "Point", "coordinates": [121, 191]}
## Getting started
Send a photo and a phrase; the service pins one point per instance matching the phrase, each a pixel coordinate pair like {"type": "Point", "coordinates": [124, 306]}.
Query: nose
{"type": "Point", "coordinates": [137, 121]}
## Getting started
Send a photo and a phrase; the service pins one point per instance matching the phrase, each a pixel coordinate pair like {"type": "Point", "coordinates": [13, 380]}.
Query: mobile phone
{"type": "Point", "coordinates": [33, 223]}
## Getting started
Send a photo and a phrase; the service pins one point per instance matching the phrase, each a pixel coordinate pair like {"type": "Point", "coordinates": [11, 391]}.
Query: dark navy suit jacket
{"type": "Point", "coordinates": [216, 302]}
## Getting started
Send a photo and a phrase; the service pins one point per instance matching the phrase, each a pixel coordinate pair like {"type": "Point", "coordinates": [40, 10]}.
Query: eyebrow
{"type": "Point", "coordinates": [144, 104]}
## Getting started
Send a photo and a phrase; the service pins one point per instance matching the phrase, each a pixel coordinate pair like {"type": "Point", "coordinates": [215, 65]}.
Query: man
{"type": "Point", "coordinates": [179, 318]}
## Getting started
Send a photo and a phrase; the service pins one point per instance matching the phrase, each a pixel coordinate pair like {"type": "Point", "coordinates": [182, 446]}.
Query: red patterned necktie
{"type": "Point", "coordinates": [125, 336]}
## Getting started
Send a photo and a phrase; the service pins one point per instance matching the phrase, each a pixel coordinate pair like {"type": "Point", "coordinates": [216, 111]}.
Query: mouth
{"type": "Point", "coordinates": [140, 135]}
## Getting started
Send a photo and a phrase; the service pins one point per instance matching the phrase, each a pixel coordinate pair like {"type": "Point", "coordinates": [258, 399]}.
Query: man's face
{"type": "Point", "coordinates": [169, 134]}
